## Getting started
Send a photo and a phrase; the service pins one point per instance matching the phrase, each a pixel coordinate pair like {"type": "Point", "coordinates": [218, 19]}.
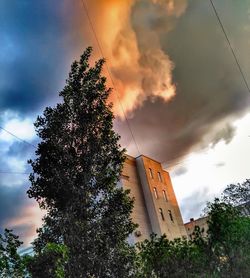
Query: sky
{"type": "Point", "coordinates": [176, 85]}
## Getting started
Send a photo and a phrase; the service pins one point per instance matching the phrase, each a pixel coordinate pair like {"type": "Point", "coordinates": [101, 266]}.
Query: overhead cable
{"type": "Point", "coordinates": [230, 46]}
{"type": "Point", "coordinates": [12, 134]}
{"type": "Point", "coordinates": [84, 4]}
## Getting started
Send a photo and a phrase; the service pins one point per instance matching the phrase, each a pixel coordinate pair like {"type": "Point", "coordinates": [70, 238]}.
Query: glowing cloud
{"type": "Point", "coordinates": [128, 31]}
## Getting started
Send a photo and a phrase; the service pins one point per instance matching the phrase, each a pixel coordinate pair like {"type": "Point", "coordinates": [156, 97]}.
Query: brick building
{"type": "Point", "coordinates": [155, 209]}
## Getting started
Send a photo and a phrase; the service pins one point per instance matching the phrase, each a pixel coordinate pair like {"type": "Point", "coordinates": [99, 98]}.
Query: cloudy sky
{"type": "Point", "coordinates": [175, 81]}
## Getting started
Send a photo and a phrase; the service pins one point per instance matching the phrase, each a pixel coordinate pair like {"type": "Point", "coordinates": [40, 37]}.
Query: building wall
{"type": "Point", "coordinates": [130, 180]}
{"type": "Point", "coordinates": [174, 204]}
{"type": "Point", "coordinates": [200, 222]}
{"type": "Point", "coordinates": [155, 211]}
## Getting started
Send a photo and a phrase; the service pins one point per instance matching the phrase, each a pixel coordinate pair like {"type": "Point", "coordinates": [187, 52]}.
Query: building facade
{"type": "Point", "coordinates": [200, 222]}
{"type": "Point", "coordinates": [155, 208]}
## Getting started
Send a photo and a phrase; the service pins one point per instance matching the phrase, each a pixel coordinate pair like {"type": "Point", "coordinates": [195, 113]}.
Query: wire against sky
{"type": "Point", "coordinates": [84, 4]}
{"type": "Point", "coordinates": [230, 46]}
{"type": "Point", "coordinates": [12, 134]}
{"type": "Point", "coordinates": [110, 75]}
{"type": "Point", "coordinates": [14, 173]}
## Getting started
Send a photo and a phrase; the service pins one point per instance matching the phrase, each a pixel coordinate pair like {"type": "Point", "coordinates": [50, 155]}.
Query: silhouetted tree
{"type": "Point", "coordinates": [75, 176]}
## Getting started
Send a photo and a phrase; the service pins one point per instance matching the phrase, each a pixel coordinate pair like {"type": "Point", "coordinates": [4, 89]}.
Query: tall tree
{"type": "Point", "coordinates": [75, 176]}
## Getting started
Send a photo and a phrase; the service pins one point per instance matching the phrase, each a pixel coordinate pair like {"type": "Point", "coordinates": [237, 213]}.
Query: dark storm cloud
{"type": "Point", "coordinates": [18, 212]}
{"type": "Point", "coordinates": [226, 134]}
{"type": "Point", "coordinates": [13, 199]}
{"type": "Point", "coordinates": [21, 150]}
{"type": "Point", "coordinates": [34, 52]}
{"type": "Point", "coordinates": [38, 42]}
{"type": "Point", "coordinates": [210, 89]}
{"type": "Point", "coordinates": [13, 186]}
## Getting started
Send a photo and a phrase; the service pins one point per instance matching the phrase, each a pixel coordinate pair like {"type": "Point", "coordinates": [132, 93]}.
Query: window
{"type": "Point", "coordinates": [151, 173]}
{"type": "Point", "coordinates": [155, 192]}
{"type": "Point", "coordinates": [159, 176]}
{"type": "Point", "coordinates": [170, 215]}
{"type": "Point", "coordinates": [137, 233]}
{"type": "Point", "coordinates": [125, 177]}
{"type": "Point", "coordinates": [161, 213]}
{"type": "Point", "coordinates": [165, 195]}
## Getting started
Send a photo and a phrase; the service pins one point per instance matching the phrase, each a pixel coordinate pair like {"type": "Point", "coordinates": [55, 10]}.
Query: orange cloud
{"type": "Point", "coordinates": [131, 44]}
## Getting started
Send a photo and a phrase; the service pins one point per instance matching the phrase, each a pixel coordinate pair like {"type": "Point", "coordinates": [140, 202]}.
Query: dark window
{"type": "Point", "coordinates": [125, 177]}
{"type": "Point", "coordinates": [151, 173]}
{"type": "Point", "coordinates": [159, 176]}
{"type": "Point", "coordinates": [165, 195]}
{"type": "Point", "coordinates": [156, 193]}
{"type": "Point", "coordinates": [161, 213]}
{"type": "Point", "coordinates": [170, 215]}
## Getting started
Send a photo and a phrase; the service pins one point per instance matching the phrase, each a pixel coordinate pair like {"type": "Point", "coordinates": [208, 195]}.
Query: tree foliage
{"type": "Point", "coordinates": [160, 257]}
{"type": "Point", "coordinates": [75, 176]}
{"type": "Point", "coordinates": [229, 238]}
{"type": "Point", "coordinates": [50, 232]}
{"type": "Point", "coordinates": [49, 263]}
{"type": "Point", "coordinates": [84, 234]}
{"type": "Point", "coordinates": [11, 264]}
{"type": "Point", "coordinates": [223, 252]}
{"type": "Point", "coordinates": [237, 194]}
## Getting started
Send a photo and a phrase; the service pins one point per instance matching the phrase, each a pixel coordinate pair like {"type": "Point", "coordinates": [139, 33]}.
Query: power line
{"type": "Point", "coordinates": [14, 173]}
{"type": "Point", "coordinates": [12, 134]}
{"type": "Point", "coordinates": [113, 83]}
{"type": "Point", "coordinates": [109, 73]}
{"type": "Point", "coordinates": [235, 58]}
{"type": "Point", "coordinates": [230, 46]}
